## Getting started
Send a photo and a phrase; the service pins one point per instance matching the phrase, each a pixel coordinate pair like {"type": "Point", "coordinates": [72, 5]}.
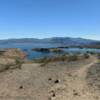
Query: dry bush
{"type": "Point", "coordinates": [86, 55]}
{"type": "Point", "coordinates": [19, 62]}
{"type": "Point", "coordinates": [74, 57]}
{"type": "Point", "coordinates": [98, 55]}
{"type": "Point", "coordinates": [65, 57]}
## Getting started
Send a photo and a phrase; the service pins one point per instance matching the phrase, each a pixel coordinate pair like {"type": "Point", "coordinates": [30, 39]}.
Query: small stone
{"type": "Point", "coordinates": [53, 95]}
{"type": "Point", "coordinates": [21, 87]}
{"type": "Point", "coordinates": [56, 81]}
{"type": "Point", "coordinates": [75, 93]}
{"type": "Point", "coordinates": [50, 79]}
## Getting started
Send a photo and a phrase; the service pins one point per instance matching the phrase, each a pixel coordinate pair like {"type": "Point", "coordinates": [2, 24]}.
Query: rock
{"type": "Point", "coordinates": [21, 87]}
{"type": "Point", "coordinates": [75, 93]}
{"type": "Point", "coordinates": [14, 53]}
{"type": "Point", "coordinates": [41, 49]}
{"type": "Point", "coordinates": [5, 63]}
{"type": "Point", "coordinates": [50, 79]}
{"type": "Point", "coordinates": [56, 81]}
{"type": "Point", "coordinates": [53, 50]}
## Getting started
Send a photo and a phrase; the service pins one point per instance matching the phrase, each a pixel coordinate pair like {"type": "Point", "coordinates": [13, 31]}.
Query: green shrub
{"type": "Point", "coordinates": [98, 55]}
{"type": "Point", "coordinates": [86, 56]}
{"type": "Point", "coordinates": [19, 62]}
{"type": "Point", "coordinates": [73, 57]}
{"type": "Point", "coordinates": [1, 52]}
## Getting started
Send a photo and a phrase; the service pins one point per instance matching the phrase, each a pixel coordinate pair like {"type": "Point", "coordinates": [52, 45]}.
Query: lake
{"type": "Point", "coordinates": [27, 48]}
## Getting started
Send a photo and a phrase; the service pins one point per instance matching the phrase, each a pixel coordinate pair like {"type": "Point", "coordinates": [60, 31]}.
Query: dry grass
{"type": "Point", "coordinates": [14, 53]}
{"type": "Point", "coordinates": [86, 55]}
{"type": "Point", "coordinates": [74, 57]}
{"type": "Point", "coordinates": [8, 63]}
{"type": "Point", "coordinates": [19, 62]}
{"type": "Point", "coordinates": [98, 56]}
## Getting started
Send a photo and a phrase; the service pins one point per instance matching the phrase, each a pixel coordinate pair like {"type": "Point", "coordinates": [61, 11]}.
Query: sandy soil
{"type": "Point", "coordinates": [55, 81]}
{"type": "Point", "coordinates": [93, 78]}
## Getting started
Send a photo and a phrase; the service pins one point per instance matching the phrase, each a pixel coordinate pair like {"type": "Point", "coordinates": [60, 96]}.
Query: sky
{"type": "Point", "coordinates": [50, 18]}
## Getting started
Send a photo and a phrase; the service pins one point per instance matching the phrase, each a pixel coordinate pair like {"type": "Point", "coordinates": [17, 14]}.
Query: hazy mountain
{"type": "Point", "coordinates": [56, 40]}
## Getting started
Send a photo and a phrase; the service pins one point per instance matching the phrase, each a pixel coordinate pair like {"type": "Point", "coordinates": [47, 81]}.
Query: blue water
{"type": "Point", "coordinates": [27, 45]}
{"type": "Point", "coordinates": [27, 48]}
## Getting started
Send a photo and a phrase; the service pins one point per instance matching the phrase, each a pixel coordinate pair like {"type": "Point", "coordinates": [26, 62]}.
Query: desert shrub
{"type": "Point", "coordinates": [47, 60]}
{"type": "Point", "coordinates": [40, 60]}
{"type": "Point", "coordinates": [91, 52]}
{"type": "Point", "coordinates": [60, 58]}
{"type": "Point", "coordinates": [56, 50]}
{"type": "Point", "coordinates": [64, 57]}
{"type": "Point", "coordinates": [73, 57]}
{"type": "Point", "coordinates": [86, 56]}
{"type": "Point", "coordinates": [3, 67]}
{"type": "Point", "coordinates": [98, 55]}
{"type": "Point", "coordinates": [19, 62]}
{"type": "Point", "coordinates": [1, 52]}
{"type": "Point", "coordinates": [43, 61]}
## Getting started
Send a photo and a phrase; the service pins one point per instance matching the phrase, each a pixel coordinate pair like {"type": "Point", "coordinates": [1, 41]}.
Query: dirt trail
{"type": "Point", "coordinates": [77, 88]}
{"type": "Point", "coordinates": [82, 72]}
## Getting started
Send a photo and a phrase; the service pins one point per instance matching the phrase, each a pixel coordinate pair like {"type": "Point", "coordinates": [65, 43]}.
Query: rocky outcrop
{"type": "Point", "coordinates": [5, 63]}
{"type": "Point", "coordinates": [14, 53]}
{"type": "Point", "coordinates": [53, 50]}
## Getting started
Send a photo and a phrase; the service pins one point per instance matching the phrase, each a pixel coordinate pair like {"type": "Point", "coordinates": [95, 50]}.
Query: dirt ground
{"type": "Point", "coordinates": [55, 81]}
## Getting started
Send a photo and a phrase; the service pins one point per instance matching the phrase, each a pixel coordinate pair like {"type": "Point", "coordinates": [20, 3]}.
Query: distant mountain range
{"type": "Point", "coordinates": [54, 40]}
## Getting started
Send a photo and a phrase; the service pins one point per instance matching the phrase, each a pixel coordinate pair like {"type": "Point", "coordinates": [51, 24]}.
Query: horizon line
{"type": "Point", "coordinates": [47, 38]}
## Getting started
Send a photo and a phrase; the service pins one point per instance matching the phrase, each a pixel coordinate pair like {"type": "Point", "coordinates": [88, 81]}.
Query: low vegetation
{"type": "Point", "coordinates": [98, 56]}
{"type": "Point", "coordinates": [19, 62]}
{"type": "Point", "coordinates": [84, 46]}
{"type": "Point", "coordinates": [4, 67]}
{"type": "Point", "coordinates": [11, 59]}
{"type": "Point", "coordinates": [1, 52]}
{"type": "Point", "coordinates": [86, 55]}
{"type": "Point", "coordinates": [10, 63]}
{"type": "Point", "coordinates": [65, 57]}
{"type": "Point", "coordinates": [56, 50]}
